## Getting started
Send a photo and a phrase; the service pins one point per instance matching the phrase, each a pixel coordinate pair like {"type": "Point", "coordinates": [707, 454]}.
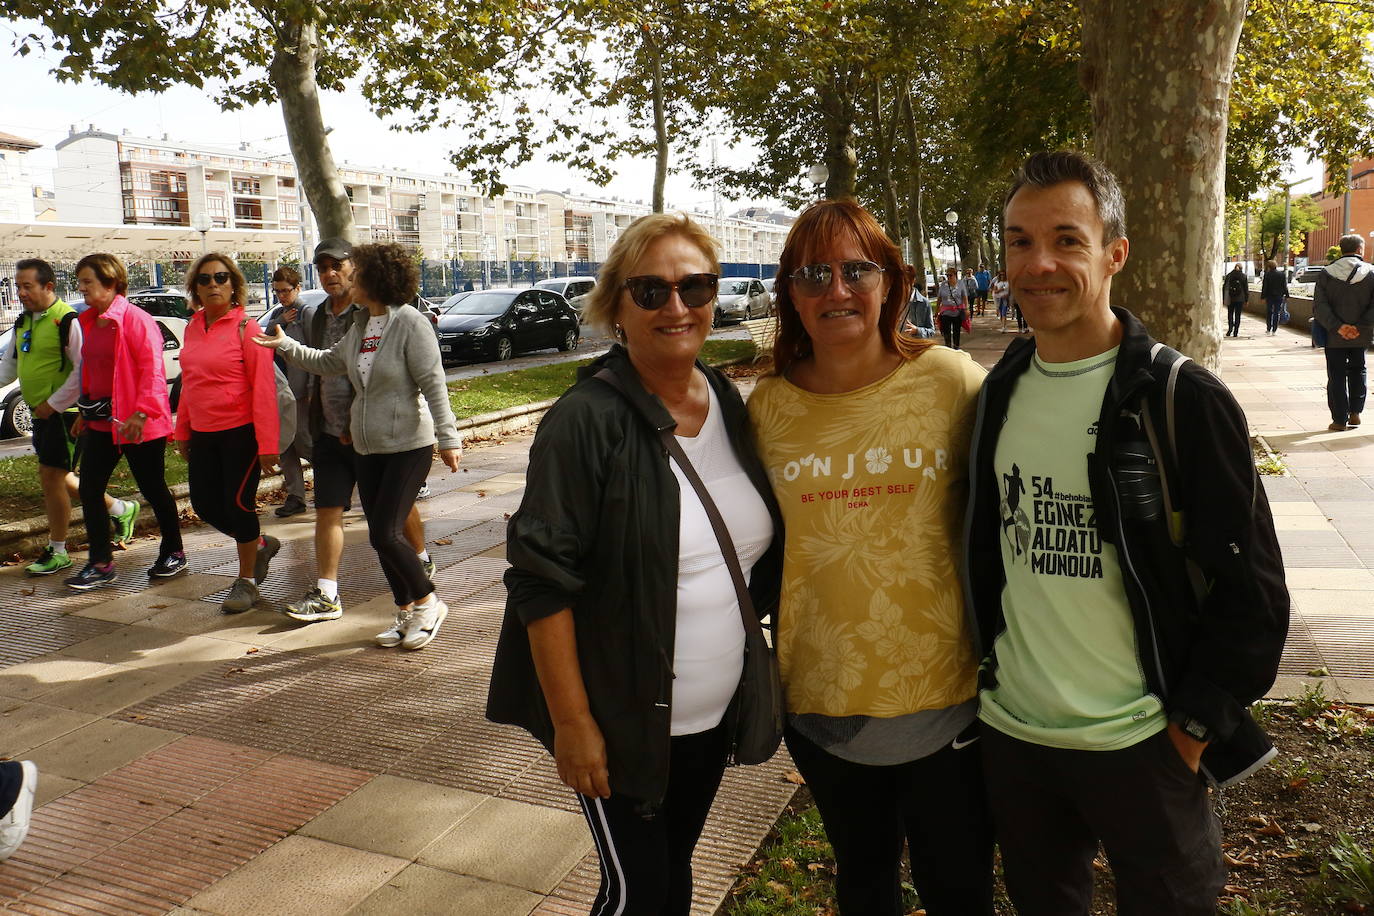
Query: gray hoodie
{"type": "Point", "coordinates": [1345, 295]}
{"type": "Point", "coordinates": [387, 415]}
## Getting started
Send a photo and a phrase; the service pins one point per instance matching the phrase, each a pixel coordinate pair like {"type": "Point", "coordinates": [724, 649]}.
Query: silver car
{"type": "Point", "coordinates": [741, 298]}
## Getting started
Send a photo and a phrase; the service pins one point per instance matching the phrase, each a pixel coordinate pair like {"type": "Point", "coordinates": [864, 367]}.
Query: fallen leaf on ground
{"type": "Point", "coordinates": [234, 671]}
{"type": "Point", "coordinates": [794, 777]}
{"type": "Point", "coordinates": [443, 542]}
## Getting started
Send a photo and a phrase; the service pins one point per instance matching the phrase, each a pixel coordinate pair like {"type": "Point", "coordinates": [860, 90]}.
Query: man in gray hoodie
{"type": "Point", "coordinates": [1344, 304]}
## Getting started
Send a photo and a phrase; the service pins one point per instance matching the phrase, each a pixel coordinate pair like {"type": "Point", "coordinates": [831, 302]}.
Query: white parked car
{"type": "Point", "coordinates": [741, 298]}
{"type": "Point", "coordinates": [574, 289]}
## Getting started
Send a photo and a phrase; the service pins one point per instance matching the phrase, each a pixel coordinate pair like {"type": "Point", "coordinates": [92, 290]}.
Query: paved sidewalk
{"type": "Point", "coordinates": [197, 763]}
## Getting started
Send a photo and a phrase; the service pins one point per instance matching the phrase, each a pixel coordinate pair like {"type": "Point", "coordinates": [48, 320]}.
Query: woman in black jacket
{"type": "Point", "coordinates": [1274, 292]}
{"type": "Point", "coordinates": [622, 645]}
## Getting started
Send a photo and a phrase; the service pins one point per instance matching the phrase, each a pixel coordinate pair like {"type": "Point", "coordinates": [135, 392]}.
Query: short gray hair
{"type": "Point", "coordinates": [1044, 170]}
{"type": "Point", "coordinates": [1351, 243]}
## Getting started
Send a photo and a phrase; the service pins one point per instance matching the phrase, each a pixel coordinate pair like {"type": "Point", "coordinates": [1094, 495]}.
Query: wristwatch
{"type": "Point", "coordinates": [1193, 728]}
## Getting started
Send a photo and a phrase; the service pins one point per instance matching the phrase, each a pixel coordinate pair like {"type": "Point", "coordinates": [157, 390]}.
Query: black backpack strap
{"type": "Point", "coordinates": [64, 333]}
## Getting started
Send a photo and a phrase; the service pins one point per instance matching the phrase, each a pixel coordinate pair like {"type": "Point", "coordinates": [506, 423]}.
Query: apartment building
{"type": "Point", "coordinates": [16, 195]}
{"type": "Point", "coordinates": [110, 179]}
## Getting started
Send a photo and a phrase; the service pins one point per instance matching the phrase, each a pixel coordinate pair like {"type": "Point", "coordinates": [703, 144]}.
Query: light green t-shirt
{"type": "Point", "coordinates": [1068, 671]}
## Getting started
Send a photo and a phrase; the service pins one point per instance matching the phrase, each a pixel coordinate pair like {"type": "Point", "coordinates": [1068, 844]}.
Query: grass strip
{"type": "Point", "coordinates": [502, 390]}
{"type": "Point", "coordinates": [21, 495]}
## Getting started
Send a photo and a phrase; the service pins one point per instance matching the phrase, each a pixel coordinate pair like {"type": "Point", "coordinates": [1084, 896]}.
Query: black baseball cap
{"type": "Point", "coordinates": [336, 248]}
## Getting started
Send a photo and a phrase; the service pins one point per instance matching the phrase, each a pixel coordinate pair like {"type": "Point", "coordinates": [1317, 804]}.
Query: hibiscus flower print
{"type": "Point", "coordinates": [879, 460]}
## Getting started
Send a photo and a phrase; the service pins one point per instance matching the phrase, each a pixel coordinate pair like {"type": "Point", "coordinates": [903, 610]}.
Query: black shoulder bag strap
{"type": "Point", "coordinates": [727, 545]}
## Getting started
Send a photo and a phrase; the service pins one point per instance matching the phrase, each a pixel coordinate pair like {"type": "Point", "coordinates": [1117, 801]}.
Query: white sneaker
{"type": "Point", "coordinates": [14, 826]}
{"type": "Point", "coordinates": [423, 625]}
{"type": "Point", "coordinates": [391, 638]}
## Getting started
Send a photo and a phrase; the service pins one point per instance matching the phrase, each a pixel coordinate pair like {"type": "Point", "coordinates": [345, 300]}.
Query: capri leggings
{"type": "Point", "coordinates": [147, 462]}
{"type": "Point", "coordinates": [223, 472]}
{"type": "Point", "coordinates": [387, 486]}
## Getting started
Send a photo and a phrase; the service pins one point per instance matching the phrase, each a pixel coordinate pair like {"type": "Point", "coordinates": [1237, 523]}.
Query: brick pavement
{"type": "Point", "coordinates": [197, 763]}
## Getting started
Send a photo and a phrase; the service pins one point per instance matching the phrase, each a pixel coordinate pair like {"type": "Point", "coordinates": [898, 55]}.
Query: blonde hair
{"type": "Point", "coordinates": [604, 299]}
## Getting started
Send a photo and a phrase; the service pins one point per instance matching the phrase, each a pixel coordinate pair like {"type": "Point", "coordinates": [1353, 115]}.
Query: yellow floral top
{"type": "Point", "coordinates": [872, 485]}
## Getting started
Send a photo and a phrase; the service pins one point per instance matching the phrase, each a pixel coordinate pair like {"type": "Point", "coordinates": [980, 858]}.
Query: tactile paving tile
{"type": "Point", "coordinates": [224, 690]}
{"type": "Point", "coordinates": [28, 632]}
{"type": "Point", "coordinates": [289, 716]}
{"type": "Point", "coordinates": [1300, 652]}
{"type": "Point", "coordinates": [475, 755]}
{"type": "Point", "coordinates": [124, 845]}
{"type": "Point", "coordinates": [1347, 643]}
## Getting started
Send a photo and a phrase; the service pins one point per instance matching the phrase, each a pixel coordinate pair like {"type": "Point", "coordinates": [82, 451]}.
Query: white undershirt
{"type": "Point", "coordinates": [372, 339]}
{"type": "Point", "coordinates": [708, 650]}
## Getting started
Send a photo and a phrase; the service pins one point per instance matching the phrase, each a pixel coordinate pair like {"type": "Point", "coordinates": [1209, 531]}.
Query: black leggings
{"type": "Point", "coordinates": [387, 486]}
{"type": "Point", "coordinates": [952, 324]}
{"type": "Point", "coordinates": [646, 862]}
{"type": "Point", "coordinates": [99, 456]}
{"type": "Point", "coordinates": [224, 474]}
{"type": "Point", "coordinates": [935, 804]}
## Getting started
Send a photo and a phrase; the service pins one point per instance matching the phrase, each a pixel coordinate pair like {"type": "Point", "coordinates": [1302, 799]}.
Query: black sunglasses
{"type": "Point", "coordinates": [695, 290]}
{"type": "Point", "coordinates": [26, 340]}
{"type": "Point", "coordinates": [220, 276]}
{"type": "Point", "coordinates": [814, 279]}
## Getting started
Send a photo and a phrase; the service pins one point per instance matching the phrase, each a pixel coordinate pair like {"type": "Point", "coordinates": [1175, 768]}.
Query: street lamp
{"type": "Point", "coordinates": [818, 175]}
{"type": "Point", "coordinates": [1287, 217]}
{"type": "Point", "coordinates": [202, 224]}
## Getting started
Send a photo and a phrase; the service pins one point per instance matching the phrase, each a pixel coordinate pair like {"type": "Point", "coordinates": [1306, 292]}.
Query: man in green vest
{"type": "Point", "coordinates": [45, 356]}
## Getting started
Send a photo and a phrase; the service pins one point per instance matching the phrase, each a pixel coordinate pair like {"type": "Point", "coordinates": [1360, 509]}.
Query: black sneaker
{"type": "Point", "coordinates": [168, 566]}
{"type": "Point", "coordinates": [292, 506]}
{"type": "Point", "coordinates": [92, 576]}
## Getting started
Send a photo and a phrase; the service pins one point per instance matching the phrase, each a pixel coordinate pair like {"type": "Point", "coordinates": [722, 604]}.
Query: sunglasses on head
{"type": "Point", "coordinates": [814, 279]}
{"type": "Point", "coordinates": [219, 277]}
{"type": "Point", "coordinates": [26, 340]}
{"type": "Point", "coordinates": [695, 290]}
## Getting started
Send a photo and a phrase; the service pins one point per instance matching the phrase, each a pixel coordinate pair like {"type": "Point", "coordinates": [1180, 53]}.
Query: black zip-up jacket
{"type": "Point", "coordinates": [1275, 285]}
{"type": "Point", "coordinates": [1211, 614]}
{"type": "Point", "coordinates": [1236, 286]}
{"type": "Point", "coordinates": [597, 532]}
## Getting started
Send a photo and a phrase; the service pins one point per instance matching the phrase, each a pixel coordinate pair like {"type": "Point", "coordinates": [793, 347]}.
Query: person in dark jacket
{"type": "Point", "coordinates": [1343, 304]}
{"type": "Point", "coordinates": [1234, 289]}
{"type": "Point", "coordinates": [622, 645]}
{"type": "Point", "coordinates": [1274, 292]}
{"type": "Point", "coordinates": [1139, 605]}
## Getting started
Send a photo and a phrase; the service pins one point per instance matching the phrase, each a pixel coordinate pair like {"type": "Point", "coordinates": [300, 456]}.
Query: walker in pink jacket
{"type": "Point", "coordinates": [140, 382]}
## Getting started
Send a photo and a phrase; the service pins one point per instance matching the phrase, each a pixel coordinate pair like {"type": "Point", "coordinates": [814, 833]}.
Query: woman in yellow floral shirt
{"type": "Point", "coordinates": [865, 435]}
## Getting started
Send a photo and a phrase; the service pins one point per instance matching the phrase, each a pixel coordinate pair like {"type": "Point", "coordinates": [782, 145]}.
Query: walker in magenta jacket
{"type": "Point", "coordinates": [140, 382]}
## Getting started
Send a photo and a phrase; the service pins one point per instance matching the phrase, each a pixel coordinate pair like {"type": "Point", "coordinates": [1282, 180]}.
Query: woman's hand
{"type": "Point", "coordinates": [271, 341]}
{"type": "Point", "coordinates": [268, 463]}
{"type": "Point", "coordinates": [450, 457]}
{"type": "Point", "coordinates": [580, 752]}
{"type": "Point", "coordinates": [78, 425]}
{"type": "Point", "coordinates": [184, 449]}
{"type": "Point", "coordinates": [131, 430]}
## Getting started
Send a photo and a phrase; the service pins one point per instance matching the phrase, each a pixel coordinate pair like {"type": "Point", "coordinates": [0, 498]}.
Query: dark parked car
{"type": "Point", "coordinates": [1309, 274]}
{"type": "Point", "coordinates": [498, 323]}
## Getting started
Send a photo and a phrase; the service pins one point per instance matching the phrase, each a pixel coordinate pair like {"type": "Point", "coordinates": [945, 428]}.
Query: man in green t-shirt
{"type": "Point", "coordinates": [1127, 613]}
{"type": "Point", "coordinates": [45, 356]}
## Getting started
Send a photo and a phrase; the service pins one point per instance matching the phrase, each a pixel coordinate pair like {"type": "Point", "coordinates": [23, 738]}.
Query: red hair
{"type": "Point", "coordinates": [817, 230]}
